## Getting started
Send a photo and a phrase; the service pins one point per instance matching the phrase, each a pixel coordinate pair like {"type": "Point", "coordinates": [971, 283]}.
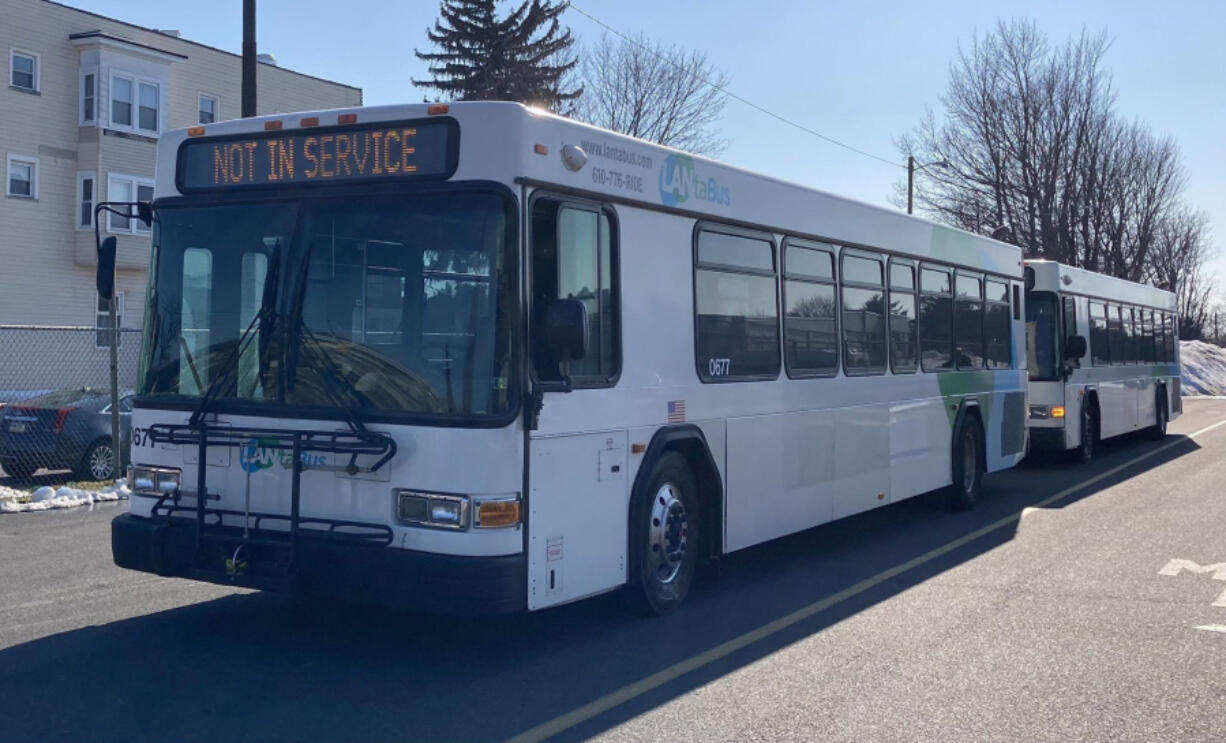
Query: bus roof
{"type": "Point", "coordinates": [514, 144]}
{"type": "Point", "coordinates": [1051, 276]}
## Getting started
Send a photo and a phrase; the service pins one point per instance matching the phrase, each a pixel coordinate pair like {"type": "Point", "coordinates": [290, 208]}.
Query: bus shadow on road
{"type": "Point", "coordinates": [258, 667]}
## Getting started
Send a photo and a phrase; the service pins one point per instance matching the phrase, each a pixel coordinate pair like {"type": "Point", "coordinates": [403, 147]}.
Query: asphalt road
{"type": "Point", "coordinates": [1029, 618]}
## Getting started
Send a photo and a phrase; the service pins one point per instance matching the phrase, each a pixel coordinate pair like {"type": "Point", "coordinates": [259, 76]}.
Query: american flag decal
{"type": "Point", "coordinates": [676, 411]}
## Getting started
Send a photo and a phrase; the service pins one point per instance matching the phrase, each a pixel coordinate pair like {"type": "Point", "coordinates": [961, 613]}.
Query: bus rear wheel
{"type": "Point", "coordinates": [1158, 431]}
{"type": "Point", "coordinates": [664, 542]}
{"type": "Point", "coordinates": [968, 467]}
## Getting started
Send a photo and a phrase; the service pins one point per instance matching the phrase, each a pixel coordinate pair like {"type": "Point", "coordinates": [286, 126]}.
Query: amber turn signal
{"type": "Point", "coordinates": [497, 513]}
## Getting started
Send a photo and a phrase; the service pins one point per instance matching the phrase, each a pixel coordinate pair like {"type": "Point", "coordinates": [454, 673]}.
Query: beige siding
{"type": "Point", "coordinates": [46, 262]}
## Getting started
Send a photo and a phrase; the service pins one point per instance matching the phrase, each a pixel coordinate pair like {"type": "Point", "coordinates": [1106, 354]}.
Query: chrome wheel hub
{"type": "Point", "coordinates": [100, 462]}
{"type": "Point", "coordinates": [666, 535]}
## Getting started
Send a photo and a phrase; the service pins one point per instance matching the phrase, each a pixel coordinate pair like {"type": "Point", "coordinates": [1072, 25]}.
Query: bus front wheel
{"type": "Point", "coordinates": [1084, 453]}
{"type": "Point", "coordinates": [968, 466]}
{"type": "Point", "coordinates": [664, 538]}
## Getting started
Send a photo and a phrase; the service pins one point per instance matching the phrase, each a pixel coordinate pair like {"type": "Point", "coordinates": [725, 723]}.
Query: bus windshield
{"type": "Point", "coordinates": [1042, 335]}
{"type": "Point", "coordinates": [389, 304]}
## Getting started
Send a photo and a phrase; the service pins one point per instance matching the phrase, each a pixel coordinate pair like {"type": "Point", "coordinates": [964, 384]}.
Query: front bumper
{"type": "Point", "coordinates": [1047, 439]}
{"type": "Point", "coordinates": [445, 584]}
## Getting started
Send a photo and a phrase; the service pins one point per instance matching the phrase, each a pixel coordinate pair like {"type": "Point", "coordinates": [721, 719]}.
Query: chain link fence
{"type": "Point", "coordinates": [55, 397]}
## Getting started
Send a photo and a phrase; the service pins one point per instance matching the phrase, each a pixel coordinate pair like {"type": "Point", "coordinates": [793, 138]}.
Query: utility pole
{"type": "Point", "coordinates": [248, 58]}
{"type": "Point", "coordinates": [910, 180]}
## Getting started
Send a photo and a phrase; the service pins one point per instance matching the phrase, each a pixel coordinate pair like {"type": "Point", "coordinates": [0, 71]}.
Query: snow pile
{"type": "Point", "coordinates": [1203, 368]}
{"type": "Point", "coordinates": [46, 498]}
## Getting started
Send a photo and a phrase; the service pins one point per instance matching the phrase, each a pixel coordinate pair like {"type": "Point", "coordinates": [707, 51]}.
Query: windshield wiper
{"type": "Point", "coordinates": [263, 319]}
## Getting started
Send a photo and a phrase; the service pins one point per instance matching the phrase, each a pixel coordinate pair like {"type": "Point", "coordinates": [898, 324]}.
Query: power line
{"type": "Point", "coordinates": [729, 93]}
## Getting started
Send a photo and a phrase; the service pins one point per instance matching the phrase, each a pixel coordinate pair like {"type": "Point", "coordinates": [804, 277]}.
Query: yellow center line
{"type": "Point", "coordinates": [659, 678]}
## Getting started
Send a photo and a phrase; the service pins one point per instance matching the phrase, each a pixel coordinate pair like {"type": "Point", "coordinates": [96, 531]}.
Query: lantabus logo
{"type": "Point", "coordinates": [260, 454]}
{"type": "Point", "coordinates": [680, 182]}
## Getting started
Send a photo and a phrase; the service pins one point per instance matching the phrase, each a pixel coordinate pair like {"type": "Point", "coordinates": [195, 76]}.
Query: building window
{"type": "Point", "coordinates": [148, 113]}
{"type": "Point", "coordinates": [737, 323]}
{"type": "Point", "coordinates": [85, 200]}
{"type": "Point", "coordinates": [89, 96]}
{"type": "Point", "coordinates": [22, 177]}
{"type": "Point", "coordinates": [102, 321]}
{"type": "Point", "coordinates": [207, 109]}
{"type": "Point", "coordinates": [128, 188]}
{"type": "Point", "coordinates": [23, 70]}
{"type": "Point", "coordinates": [121, 101]}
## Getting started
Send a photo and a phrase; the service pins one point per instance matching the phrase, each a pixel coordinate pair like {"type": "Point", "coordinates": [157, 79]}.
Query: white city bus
{"type": "Point", "coordinates": [485, 358]}
{"type": "Point", "coordinates": [1103, 355]}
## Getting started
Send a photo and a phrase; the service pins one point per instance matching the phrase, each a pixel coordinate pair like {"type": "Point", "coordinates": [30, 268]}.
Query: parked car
{"type": "Point", "coordinates": [65, 429]}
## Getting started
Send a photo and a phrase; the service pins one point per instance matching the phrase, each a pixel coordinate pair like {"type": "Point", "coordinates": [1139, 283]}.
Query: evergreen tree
{"type": "Point", "coordinates": [523, 57]}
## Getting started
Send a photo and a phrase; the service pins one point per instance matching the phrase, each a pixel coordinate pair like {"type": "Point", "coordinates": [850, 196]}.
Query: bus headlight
{"type": "Point", "coordinates": [432, 509]}
{"type": "Point", "coordinates": [155, 481]}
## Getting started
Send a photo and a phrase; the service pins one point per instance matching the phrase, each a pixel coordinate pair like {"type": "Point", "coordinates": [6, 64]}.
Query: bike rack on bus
{"type": "Point", "coordinates": [297, 442]}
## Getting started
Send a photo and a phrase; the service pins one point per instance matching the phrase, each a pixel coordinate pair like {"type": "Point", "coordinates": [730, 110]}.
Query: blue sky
{"type": "Point", "coordinates": [860, 72]}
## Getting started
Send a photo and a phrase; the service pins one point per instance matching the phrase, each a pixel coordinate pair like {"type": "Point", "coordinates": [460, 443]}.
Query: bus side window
{"type": "Point", "coordinates": [936, 319]}
{"type": "Point", "coordinates": [1100, 343]}
{"type": "Point", "coordinates": [997, 327]}
{"type": "Point", "coordinates": [904, 354]}
{"type": "Point", "coordinates": [1070, 323]}
{"type": "Point", "coordinates": [810, 323]}
{"type": "Point", "coordinates": [864, 315]}
{"type": "Point", "coordinates": [574, 257]}
{"type": "Point", "coordinates": [968, 322]}
{"type": "Point", "coordinates": [737, 325]}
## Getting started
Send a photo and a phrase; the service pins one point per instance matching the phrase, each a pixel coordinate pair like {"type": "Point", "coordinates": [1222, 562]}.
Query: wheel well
{"type": "Point", "coordinates": [1092, 396]}
{"type": "Point", "coordinates": [689, 442]}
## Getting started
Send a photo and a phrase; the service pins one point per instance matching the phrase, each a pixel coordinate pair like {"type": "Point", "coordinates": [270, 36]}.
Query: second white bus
{"type": "Point", "coordinates": [1103, 356]}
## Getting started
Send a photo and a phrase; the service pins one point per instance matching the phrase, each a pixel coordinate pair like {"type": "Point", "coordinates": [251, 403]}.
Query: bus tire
{"type": "Point", "coordinates": [664, 549]}
{"type": "Point", "coordinates": [1084, 453]}
{"type": "Point", "coordinates": [964, 493]}
{"type": "Point", "coordinates": [1157, 432]}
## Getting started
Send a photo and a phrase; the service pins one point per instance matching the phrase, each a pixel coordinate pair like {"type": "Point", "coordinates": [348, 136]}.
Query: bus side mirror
{"type": "Point", "coordinates": [1074, 347]}
{"type": "Point", "coordinates": [144, 212]}
{"type": "Point", "coordinates": [106, 269]}
{"type": "Point", "coordinates": [566, 329]}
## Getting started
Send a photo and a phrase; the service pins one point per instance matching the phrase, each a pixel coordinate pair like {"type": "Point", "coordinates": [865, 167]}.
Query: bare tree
{"type": "Point", "coordinates": [1034, 144]}
{"type": "Point", "coordinates": [665, 95]}
{"type": "Point", "coordinates": [1180, 253]}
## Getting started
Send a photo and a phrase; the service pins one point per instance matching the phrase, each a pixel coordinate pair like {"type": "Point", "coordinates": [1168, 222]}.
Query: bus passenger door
{"type": "Point", "coordinates": [577, 491]}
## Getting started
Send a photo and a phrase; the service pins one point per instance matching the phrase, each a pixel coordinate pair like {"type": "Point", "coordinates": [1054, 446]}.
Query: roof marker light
{"type": "Point", "coordinates": [309, 121]}
{"type": "Point", "coordinates": [437, 109]}
{"type": "Point", "coordinates": [540, 149]}
{"type": "Point", "coordinates": [195, 131]}
{"type": "Point", "coordinates": [347, 119]}
{"type": "Point", "coordinates": [272, 126]}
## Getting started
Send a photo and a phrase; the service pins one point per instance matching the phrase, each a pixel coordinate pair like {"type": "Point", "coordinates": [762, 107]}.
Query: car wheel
{"type": "Point", "coordinates": [98, 462]}
{"type": "Point", "coordinates": [19, 469]}
{"type": "Point", "coordinates": [664, 541]}
{"type": "Point", "coordinates": [968, 467]}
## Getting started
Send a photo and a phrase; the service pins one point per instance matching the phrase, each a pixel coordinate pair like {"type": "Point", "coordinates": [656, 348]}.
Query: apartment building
{"type": "Point", "coordinates": [84, 100]}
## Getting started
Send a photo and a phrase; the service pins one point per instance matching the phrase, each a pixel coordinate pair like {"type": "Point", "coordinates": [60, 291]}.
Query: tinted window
{"type": "Point", "coordinates": [902, 277]}
{"type": "Point", "coordinates": [968, 323]}
{"type": "Point", "coordinates": [810, 327]}
{"type": "Point", "coordinates": [735, 251]}
{"type": "Point", "coordinates": [863, 330]}
{"type": "Point", "coordinates": [860, 270]}
{"type": "Point", "coordinates": [807, 263]}
{"type": "Point", "coordinates": [936, 320]}
{"type": "Point", "coordinates": [810, 324]}
{"type": "Point", "coordinates": [1171, 328]}
{"type": "Point", "coordinates": [1042, 339]}
{"type": "Point", "coordinates": [904, 348]}
{"type": "Point", "coordinates": [1099, 334]}
{"type": "Point", "coordinates": [1132, 349]}
{"type": "Point", "coordinates": [738, 324]}
{"type": "Point", "coordinates": [1115, 333]}
{"type": "Point", "coordinates": [996, 325]}
{"type": "Point", "coordinates": [1146, 333]}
